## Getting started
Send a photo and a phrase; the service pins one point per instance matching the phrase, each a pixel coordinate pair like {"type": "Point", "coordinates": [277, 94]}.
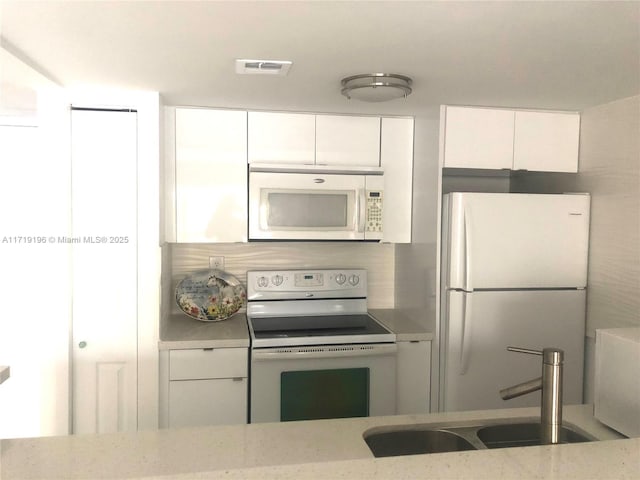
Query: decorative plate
{"type": "Point", "coordinates": [210, 295]}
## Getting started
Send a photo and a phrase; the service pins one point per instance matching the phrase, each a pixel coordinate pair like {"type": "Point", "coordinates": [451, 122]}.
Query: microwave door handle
{"type": "Point", "coordinates": [361, 205]}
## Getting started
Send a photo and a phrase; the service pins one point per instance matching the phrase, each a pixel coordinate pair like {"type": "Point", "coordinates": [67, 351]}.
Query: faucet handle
{"type": "Point", "coordinates": [524, 350]}
{"type": "Point", "coordinates": [551, 356]}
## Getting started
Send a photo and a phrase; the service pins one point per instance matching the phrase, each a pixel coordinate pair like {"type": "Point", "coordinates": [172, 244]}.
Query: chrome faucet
{"type": "Point", "coordinates": [551, 385]}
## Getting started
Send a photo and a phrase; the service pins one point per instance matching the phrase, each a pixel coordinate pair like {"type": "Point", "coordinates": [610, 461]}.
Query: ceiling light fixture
{"type": "Point", "coordinates": [376, 87]}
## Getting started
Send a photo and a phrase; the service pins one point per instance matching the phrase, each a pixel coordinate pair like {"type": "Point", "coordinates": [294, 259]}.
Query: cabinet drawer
{"type": "Point", "coordinates": [207, 363]}
{"type": "Point", "coordinates": [195, 403]}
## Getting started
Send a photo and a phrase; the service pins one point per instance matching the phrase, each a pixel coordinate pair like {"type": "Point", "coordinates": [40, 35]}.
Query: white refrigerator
{"type": "Point", "coordinates": [514, 273]}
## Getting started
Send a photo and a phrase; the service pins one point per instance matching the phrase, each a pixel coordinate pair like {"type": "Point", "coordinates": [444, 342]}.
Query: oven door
{"type": "Point", "coordinates": [326, 381]}
{"type": "Point", "coordinates": [303, 206]}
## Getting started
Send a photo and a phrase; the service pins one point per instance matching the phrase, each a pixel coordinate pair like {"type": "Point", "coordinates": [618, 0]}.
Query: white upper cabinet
{"type": "Point", "coordinates": [488, 138]}
{"type": "Point", "coordinates": [282, 138]}
{"type": "Point", "coordinates": [546, 142]}
{"type": "Point", "coordinates": [478, 138]}
{"type": "Point", "coordinates": [396, 157]}
{"type": "Point", "coordinates": [207, 152]}
{"type": "Point", "coordinates": [308, 139]}
{"type": "Point", "coordinates": [347, 140]}
{"type": "Point", "coordinates": [210, 175]}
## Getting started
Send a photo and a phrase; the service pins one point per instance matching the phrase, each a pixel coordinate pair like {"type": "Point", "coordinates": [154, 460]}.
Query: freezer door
{"type": "Point", "coordinates": [480, 326]}
{"type": "Point", "coordinates": [509, 240]}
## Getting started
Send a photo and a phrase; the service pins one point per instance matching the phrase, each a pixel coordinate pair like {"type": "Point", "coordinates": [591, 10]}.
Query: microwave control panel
{"type": "Point", "coordinates": [374, 211]}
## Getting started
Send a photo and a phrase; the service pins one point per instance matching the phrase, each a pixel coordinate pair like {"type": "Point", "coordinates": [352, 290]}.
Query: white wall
{"type": "Point", "coordinates": [416, 266]}
{"type": "Point", "coordinates": [415, 263]}
{"type": "Point", "coordinates": [35, 284]}
{"type": "Point", "coordinates": [610, 171]}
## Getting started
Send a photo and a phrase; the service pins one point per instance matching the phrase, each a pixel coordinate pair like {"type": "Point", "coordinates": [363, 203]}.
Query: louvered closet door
{"type": "Point", "coordinates": [104, 209]}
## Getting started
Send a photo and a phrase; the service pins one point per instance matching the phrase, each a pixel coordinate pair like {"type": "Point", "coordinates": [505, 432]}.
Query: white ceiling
{"type": "Point", "coordinates": [558, 55]}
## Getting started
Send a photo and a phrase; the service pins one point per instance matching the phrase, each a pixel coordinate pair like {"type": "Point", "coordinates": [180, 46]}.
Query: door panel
{"type": "Point", "coordinates": [347, 140]}
{"type": "Point", "coordinates": [211, 175]}
{"type": "Point", "coordinates": [111, 381]}
{"type": "Point", "coordinates": [495, 320]}
{"type": "Point", "coordinates": [282, 138]}
{"type": "Point", "coordinates": [546, 141]}
{"type": "Point", "coordinates": [500, 240]}
{"type": "Point", "coordinates": [104, 271]}
{"type": "Point", "coordinates": [478, 138]}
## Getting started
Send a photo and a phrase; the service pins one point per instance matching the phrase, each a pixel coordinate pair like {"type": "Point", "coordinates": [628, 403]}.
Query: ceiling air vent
{"type": "Point", "coordinates": [262, 67]}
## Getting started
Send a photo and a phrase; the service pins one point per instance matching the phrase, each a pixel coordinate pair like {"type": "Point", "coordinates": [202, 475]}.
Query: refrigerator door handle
{"type": "Point", "coordinates": [465, 338]}
{"type": "Point", "coordinates": [468, 282]}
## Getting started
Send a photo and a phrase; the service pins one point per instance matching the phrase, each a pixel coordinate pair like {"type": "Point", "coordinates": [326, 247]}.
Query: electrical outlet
{"type": "Point", "coordinates": [217, 263]}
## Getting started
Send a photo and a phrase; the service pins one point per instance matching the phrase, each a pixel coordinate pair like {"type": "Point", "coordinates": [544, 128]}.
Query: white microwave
{"type": "Point", "coordinates": [315, 206]}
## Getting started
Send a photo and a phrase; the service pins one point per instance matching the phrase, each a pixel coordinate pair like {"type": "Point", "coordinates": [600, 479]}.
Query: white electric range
{"type": "Point", "coordinates": [315, 351]}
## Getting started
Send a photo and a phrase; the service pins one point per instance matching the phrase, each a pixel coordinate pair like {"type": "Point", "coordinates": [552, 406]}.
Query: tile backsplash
{"type": "Point", "coordinates": [377, 259]}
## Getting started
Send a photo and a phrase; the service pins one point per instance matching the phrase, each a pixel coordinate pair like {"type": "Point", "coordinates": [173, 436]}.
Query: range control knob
{"type": "Point", "coordinates": [277, 280]}
{"type": "Point", "coordinates": [354, 280]}
{"type": "Point", "coordinates": [263, 281]}
{"type": "Point", "coordinates": [341, 278]}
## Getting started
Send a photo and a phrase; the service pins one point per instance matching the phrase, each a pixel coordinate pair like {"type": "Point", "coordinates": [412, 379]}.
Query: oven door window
{"type": "Point", "coordinates": [301, 210]}
{"type": "Point", "coordinates": [320, 394]}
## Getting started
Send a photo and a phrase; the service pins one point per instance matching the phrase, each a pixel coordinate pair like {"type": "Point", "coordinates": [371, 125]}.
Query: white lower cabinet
{"type": "Point", "coordinates": [203, 387]}
{"type": "Point", "coordinates": [413, 377]}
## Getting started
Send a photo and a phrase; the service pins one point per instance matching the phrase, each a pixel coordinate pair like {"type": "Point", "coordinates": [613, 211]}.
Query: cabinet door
{"type": "Point", "coordinates": [413, 377]}
{"type": "Point", "coordinates": [219, 401]}
{"type": "Point", "coordinates": [478, 138]}
{"type": "Point", "coordinates": [282, 138]}
{"type": "Point", "coordinates": [546, 141]}
{"type": "Point", "coordinates": [396, 157]}
{"type": "Point", "coordinates": [347, 140]}
{"type": "Point", "coordinates": [211, 175]}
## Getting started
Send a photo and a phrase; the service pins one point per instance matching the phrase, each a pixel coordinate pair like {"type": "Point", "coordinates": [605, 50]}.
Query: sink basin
{"type": "Point", "coordinates": [394, 440]}
{"type": "Point", "coordinates": [412, 442]}
{"type": "Point", "coordinates": [523, 435]}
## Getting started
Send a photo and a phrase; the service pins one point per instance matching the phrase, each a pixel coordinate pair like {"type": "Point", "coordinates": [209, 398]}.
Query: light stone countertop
{"type": "Point", "coordinates": [182, 331]}
{"type": "Point", "coordinates": [313, 449]}
{"type": "Point", "coordinates": [400, 324]}
{"type": "Point", "coordinates": [4, 373]}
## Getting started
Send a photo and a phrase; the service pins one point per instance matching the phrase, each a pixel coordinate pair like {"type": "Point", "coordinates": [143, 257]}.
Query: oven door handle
{"type": "Point", "coordinates": [338, 351]}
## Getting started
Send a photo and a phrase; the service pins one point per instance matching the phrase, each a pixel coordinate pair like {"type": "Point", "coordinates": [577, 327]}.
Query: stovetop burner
{"type": "Point", "coordinates": [315, 326]}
